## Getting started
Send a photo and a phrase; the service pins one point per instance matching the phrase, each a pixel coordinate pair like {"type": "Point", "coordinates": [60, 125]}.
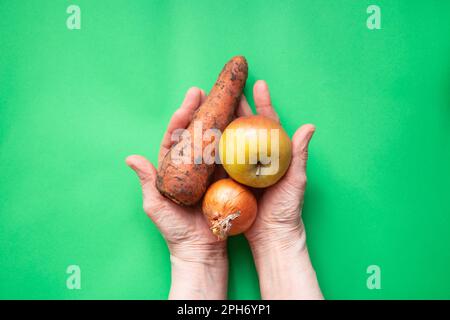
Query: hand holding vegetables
{"type": "Point", "coordinates": [199, 261]}
{"type": "Point", "coordinates": [277, 237]}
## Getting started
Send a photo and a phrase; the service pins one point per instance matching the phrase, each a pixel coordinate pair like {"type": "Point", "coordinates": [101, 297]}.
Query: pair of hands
{"type": "Point", "coordinates": [199, 260]}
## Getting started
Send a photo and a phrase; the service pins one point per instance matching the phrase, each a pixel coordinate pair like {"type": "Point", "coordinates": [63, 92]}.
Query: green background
{"type": "Point", "coordinates": [74, 104]}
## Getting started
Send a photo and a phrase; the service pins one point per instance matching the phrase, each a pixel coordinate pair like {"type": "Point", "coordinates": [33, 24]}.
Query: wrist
{"type": "Point", "coordinates": [283, 240]}
{"type": "Point", "coordinates": [284, 267]}
{"type": "Point", "coordinates": [199, 274]}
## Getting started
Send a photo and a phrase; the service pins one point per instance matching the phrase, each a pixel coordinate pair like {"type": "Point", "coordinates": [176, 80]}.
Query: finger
{"type": "Point", "coordinates": [182, 117]}
{"type": "Point", "coordinates": [203, 96]}
{"type": "Point", "coordinates": [296, 174]}
{"type": "Point", "coordinates": [263, 103]}
{"type": "Point", "coordinates": [243, 109]}
{"type": "Point", "coordinates": [145, 171]}
{"type": "Point", "coordinates": [152, 199]}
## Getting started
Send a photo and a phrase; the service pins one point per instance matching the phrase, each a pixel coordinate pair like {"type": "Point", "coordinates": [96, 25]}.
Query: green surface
{"type": "Point", "coordinates": [74, 104]}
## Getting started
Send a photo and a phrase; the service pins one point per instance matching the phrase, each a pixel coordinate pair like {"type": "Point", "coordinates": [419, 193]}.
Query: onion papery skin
{"type": "Point", "coordinates": [229, 207]}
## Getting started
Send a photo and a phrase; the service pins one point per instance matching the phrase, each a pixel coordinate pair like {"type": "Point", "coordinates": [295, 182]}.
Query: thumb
{"type": "Point", "coordinates": [300, 143]}
{"type": "Point", "coordinates": [297, 170]}
{"type": "Point", "coordinates": [143, 168]}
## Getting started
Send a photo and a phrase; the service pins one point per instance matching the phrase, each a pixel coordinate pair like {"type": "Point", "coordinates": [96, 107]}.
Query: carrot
{"type": "Point", "coordinates": [185, 183]}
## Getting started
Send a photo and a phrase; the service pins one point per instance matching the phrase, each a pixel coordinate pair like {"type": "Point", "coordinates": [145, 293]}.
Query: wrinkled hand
{"type": "Point", "coordinates": [199, 262]}
{"type": "Point", "coordinates": [277, 237]}
{"type": "Point", "coordinates": [279, 206]}
{"type": "Point", "coordinates": [194, 250]}
{"type": "Point", "coordinates": [184, 228]}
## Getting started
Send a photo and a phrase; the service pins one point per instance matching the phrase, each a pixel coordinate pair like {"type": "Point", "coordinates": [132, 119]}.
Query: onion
{"type": "Point", "coordinates": [229, 207]}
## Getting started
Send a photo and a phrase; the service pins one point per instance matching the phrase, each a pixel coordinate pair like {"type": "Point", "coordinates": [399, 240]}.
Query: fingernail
{"type": "Point", "coordinates": [192, 91]}
{"type": "Point", "coordinates": [262, 84]}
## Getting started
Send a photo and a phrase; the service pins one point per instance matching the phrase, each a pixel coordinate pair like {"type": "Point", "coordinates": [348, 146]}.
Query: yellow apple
{"type": "Point", "coordinates": [255, 151]}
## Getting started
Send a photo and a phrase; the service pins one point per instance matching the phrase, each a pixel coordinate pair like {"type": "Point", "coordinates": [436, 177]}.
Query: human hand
{"type": "Point", "coordinates": [199, 260]}
{"type": "Point", "coordinates": [196, 256]}
{"type": "Point", "coordinates": [277, 237]}
{"type": "Point", "coordinates": [279, 222]}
